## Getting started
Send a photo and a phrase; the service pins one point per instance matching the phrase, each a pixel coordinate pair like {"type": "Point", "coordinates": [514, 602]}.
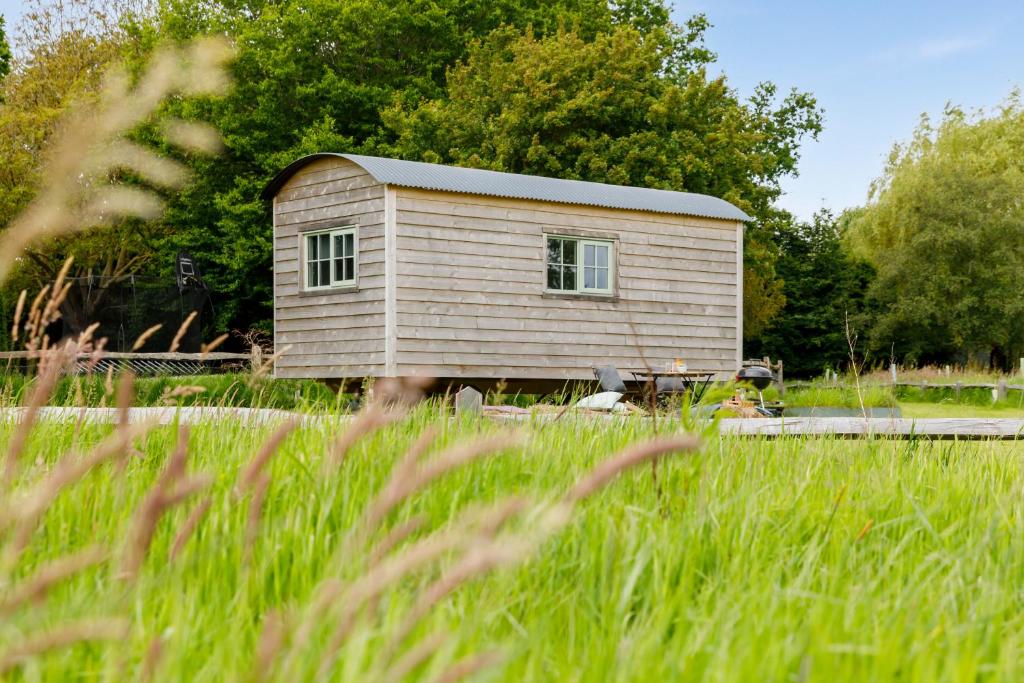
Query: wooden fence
{"type": "Point", "coordinates": [1000, 388]}
{"type": "Point", "coordinates": [142, 363]}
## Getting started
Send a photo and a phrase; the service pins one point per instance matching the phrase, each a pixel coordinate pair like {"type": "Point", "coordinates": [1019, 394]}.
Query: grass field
{"type": "Point", "coordinates": [759, 560]}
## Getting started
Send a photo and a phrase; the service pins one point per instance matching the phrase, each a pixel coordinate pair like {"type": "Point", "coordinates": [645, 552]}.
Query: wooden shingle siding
{"type": "Point", "coordinates": [330, 334]}
{"type": "Point", "coordinates": [470, 285]}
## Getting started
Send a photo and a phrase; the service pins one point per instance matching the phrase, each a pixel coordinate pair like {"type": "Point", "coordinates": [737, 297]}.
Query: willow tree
{"type": "Point", "coordinates": [944, 227]}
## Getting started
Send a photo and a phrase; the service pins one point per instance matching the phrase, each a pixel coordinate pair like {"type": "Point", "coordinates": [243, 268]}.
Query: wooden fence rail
{"type": "Point", "coordinates": [213, 355]}
{"type": "Point", "coordinates": [166, 363]}
{"type": "Point", "coordinates": [1001, 387]}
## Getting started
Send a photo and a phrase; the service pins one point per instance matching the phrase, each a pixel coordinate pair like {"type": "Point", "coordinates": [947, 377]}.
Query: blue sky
{"type": "Point", "coordinates": [874, 67]}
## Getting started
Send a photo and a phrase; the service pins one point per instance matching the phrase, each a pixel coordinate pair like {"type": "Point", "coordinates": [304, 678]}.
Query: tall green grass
{"type": "Point", "coordinates": [793, 559]}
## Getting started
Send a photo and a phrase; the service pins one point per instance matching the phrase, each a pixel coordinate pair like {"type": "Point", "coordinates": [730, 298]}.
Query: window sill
{"type": "Point", "coordinates": [346, 289]}
{"type": "Point", "coordinates": [577, 296]}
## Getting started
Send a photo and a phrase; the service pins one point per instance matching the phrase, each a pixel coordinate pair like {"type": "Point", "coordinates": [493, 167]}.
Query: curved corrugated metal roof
{"type": "Point", "coordinates": [513, 185]}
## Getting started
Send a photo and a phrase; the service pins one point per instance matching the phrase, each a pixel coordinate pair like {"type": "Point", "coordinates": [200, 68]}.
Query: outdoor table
{"type": "Point", "coordinates": [695, 382]}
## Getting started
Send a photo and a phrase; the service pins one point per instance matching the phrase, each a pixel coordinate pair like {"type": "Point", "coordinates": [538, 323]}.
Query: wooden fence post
{"type": "Point", "coordinates": [782, 383]}
{"type": "Point", "coordinates": [255, 358]}
{"type": "Point", "coordinates": [468, 401]}
{"type": "Point", "coordinates": [892, 371]}
{"type": "Point", "coordinates": [956, 391]}
{"type": "Point", "coordinates": [1001, 390]}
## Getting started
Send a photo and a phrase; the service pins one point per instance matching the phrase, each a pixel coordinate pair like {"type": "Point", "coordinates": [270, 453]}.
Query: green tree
{"type": "Point", "coordinates": [5, 50]}
{"type": "Point", "coordinates": [625, 108]}
{"type": "Point", "coordinates": [944, 226]}
{"type": "Point", "coordinates": [823, 284]}
{"type": "Point", "coordinates": [66, 50]}
{"type": "Point", "coordinates": [313, 76]}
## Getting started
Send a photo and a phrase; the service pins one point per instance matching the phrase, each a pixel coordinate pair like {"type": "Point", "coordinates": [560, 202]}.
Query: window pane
{"type": "Point", "coordinates": [350, 268]}
{"type": "Point", "coordinates": [339, 270]}
{"type": "Point", "coordinates": [350, 244]}
{"type": "Point", "coordinates": [325, 246]}
{"type": "Point", "coordinates": [554, 251]}
{"type": "Point", "coordinates": [311, 252]}
{"type": "Point", "coordinates": [589, 278]}
{"type": "Point", "coordinates": [602, 278]}
{"type": "Point", "coordinates": [569, 252]}
{"type": "Point", "coordinates": [569, 278]}
{"type": "Point", "coordinates": [325, 272]}
{"type": "Point", "coordinates": [588, 254]}
{"type": "Point", "coordinates": [339, 246]}
{"type": "Point", "coordinates": [311, 279]}
{"type": "Point", "coordinates": [602, 256]}
{"type": "Point", "coordinates": [554, 277]}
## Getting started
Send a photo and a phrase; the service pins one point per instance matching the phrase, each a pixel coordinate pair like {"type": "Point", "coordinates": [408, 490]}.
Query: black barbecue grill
{"type": "Point", "coordinates": [760, 377]}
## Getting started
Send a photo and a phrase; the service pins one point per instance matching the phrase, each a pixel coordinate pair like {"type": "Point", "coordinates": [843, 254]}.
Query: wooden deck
{"type": "Point", "coordinates": [838, 427]}
{"type": "Point", "coordinates": [967, 428]}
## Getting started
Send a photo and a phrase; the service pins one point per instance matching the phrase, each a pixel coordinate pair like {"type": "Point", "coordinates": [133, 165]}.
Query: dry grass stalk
{"type": "Point", "coordinates": [18, 310]}
{"type": "Point", "coordinates": [405, 484]}
{"type": "Point", "coordinates": [180, 334]}
{"type": "Point", "coordinates": [470, 665]}
{"type": "Point", "coordinates": [27, 511]}
{"type": "Point", "coordinates": [65, 635]}
{"type": "Point", "coordinates": [253, 478]}
{"type": "Point", "coordinates": [480, 559]}
{"type": "Point", "coordinates": [154, 653]}
{"type": "Point", "coordinates": [59, 292]}
{"type": "Point", "coordinates": [125, 397]}
{"type": "Point", "coordinates": [400, 391]}
{"type": "Point", "coordinates": [206, 349]}
{"type": "Point", "coordinates": [368, 588]}
{"type": "Point", "coordinates": [92, 145]}
{"type": "Point", "coordinates": [369, 420]}
{"type": "Point", "coordinates": [612, 467]}
{"type": "Point", "coordinates": [144, 337]}
{"type": "Point", "coordinates": [170, 396]}
{"type": "Point", "coordinates": [395, 537]}
{"type": "Point", "coordinates": [268, 646]}
{"type": "Point", "coordinates": [416, 656]}
{"type": "Point", "coordinates": [252, 520]}
{"type": "Point", "coordinates": [189, 527]}
{"type": "Point", "coordinates": [35, 314]}
{"type": "Point", "coordinates": [170, 489]}
{"type": "Point", "coordinates": [108, 382]}
{"type": "Point", "coordinates": [45, 383]}
{"type": "Point", "coordinates": [35, 588]}
{"type": "Point", "coordinates": [250, 473]}
{"type": "Point", "coordinates": [389, 496]}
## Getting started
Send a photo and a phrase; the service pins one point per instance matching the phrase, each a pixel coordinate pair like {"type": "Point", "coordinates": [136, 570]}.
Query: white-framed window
{"type": "Point", "coordinates": [330, 258]}
{"type": "Point", "coordinates": [580, 265]}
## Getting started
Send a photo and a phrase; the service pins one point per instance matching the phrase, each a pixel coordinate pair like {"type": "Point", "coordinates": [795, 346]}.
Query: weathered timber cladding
{"type": "Point", "coordinates": [470, 290]}
{"type": "Point", "coordinates": [461, 291]}
{"type": "Point", "coordinates": [331, 334]}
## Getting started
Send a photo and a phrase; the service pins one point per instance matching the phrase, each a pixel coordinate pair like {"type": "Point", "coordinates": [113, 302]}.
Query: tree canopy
{"type": "Point", "coordinates": [945, 229]}
{"type": "Point", "coordinates": [626, 108]}
{"type": "Point", "coordinates": [5, 49]}
{"type": "Point", "coordinates": [605, 91]}
{"type": "Point", "coordinates": [824, 286]}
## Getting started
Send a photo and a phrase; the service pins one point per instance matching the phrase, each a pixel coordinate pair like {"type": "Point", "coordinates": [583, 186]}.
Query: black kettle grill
{"type": "Point", "coordinates": [760, 377]}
